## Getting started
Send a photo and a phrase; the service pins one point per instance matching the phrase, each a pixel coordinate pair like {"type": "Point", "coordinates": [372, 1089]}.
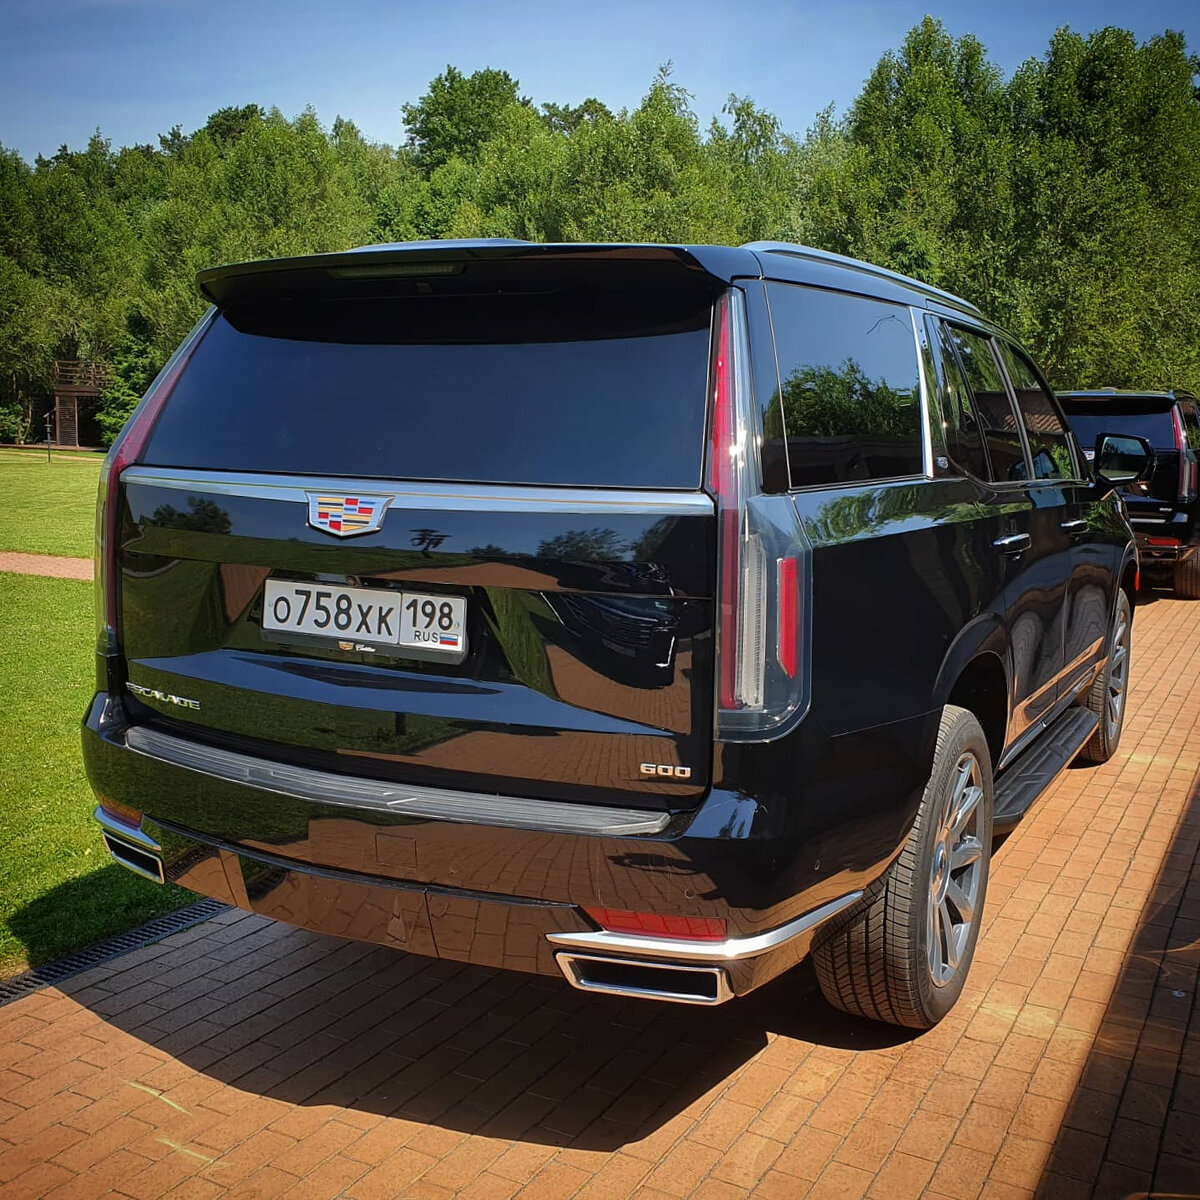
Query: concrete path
{"type": "Point", "coordinates": [241, 1058]}
{"type": "Point", "coordinates": [54, 565]}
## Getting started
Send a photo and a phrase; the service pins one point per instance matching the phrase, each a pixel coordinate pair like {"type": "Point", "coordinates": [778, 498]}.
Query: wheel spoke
{"type": "Point", "coordinates": [1116, 685]}
{"type": "Point", "coordinates": [934, 936]}
{"type": "Point", "coordinates": [961, 903]}
{"type": "Point", "coordinates": [965, 853]}
{"type": "Point", "coordinates": [951, 939]}
{"type": "Point", "coordinates": [966, 810]}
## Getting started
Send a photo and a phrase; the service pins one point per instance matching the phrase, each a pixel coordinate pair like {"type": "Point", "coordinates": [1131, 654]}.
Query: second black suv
{"type": "Point", "coordinates": [1165, 508]}
{"type": "Point", "coordinates": [644, 615]}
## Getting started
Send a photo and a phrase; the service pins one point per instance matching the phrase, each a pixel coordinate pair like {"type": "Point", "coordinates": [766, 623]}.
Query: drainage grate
{"type": "Point", "coordinates": [113, 947]}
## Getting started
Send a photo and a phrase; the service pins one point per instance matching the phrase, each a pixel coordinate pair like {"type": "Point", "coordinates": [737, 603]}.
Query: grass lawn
{"type": "Point", "coordinates": [58, 888]}
{"type": "Point", "coordinates": [48, 507]}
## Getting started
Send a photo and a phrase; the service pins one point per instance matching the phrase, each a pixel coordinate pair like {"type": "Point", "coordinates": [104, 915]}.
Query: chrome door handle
{"type": "Point", "coordinates": [1013, 543]}
{"type": "Point", "coordinates": [1074, 528]}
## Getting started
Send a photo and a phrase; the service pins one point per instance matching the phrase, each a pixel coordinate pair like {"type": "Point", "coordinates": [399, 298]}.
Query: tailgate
{"type": "Point", "coordinates": [444, 530]}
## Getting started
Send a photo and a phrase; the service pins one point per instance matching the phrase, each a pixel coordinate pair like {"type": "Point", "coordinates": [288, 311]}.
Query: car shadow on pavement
{"type": "Point", "coordinates": [1132, 1126]}
{"type": "Point", "coordinates": [313, 1020]}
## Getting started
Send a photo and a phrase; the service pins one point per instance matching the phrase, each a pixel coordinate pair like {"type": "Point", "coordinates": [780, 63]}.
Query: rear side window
{"type": "Point", "coordinates": [1049, 442]}
{"type": "Point", "coordinates": [850, 386]}
{"type": "Point", "coordinates": [992, 405]}
{"type": "Point", "coordinates": [576, 387]}
{"type": "Point", "coordinates": [964, 430]}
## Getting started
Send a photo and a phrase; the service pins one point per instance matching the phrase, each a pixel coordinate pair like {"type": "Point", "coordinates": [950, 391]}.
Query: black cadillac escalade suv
{"type": "Point", "coordinates": [648, 615]}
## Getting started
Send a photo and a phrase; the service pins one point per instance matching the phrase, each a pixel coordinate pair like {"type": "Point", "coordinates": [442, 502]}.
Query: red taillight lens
{"type": "Point", "coordinates": [789, 601]}
{"type": "Point", "coordinates": [696, 929]}
{"type": "Point", "coordinates": [126, 450]}
{"type": "Point", "coordinates": [1162, 541]}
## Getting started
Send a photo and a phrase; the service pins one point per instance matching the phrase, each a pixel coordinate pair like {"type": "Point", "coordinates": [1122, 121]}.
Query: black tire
{"type": "Point", "coordinates": [1187, 577]}
{"type": "Point", "coordinates": [875, 961]}
{"type": "Point", "coordinates": [1102, 745]}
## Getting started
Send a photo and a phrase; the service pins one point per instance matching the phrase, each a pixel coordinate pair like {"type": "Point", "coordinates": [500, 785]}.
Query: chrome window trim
{"type": "Point", "coordinates": [730, 950]}
{"type": "Point", "coordinates": [473, 497]}
{"type": "Point", "coordinates": [926, 407]}
{"type": "Point", "coordinates": [383, 796]}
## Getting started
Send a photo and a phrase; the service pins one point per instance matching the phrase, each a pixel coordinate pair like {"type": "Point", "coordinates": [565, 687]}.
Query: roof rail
{"type": "Point", "coordinates": [856, 264]}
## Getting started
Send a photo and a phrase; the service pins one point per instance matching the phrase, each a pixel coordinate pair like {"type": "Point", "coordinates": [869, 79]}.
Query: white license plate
{"type": "Point", "coordinates": [411, 620]}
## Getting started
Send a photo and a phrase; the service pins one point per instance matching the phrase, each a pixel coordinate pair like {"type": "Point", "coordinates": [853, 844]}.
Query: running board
{"type": "Point", "coordinates": [1035, 770]}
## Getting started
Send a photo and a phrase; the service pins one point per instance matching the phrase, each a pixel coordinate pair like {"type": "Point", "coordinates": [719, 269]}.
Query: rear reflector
{"type": "Point", "coordinates": [1162, 541]}
{"type": "Point", "coordinates": [696, 929]}
{"type": "Point", "coordinates": [123, 812]}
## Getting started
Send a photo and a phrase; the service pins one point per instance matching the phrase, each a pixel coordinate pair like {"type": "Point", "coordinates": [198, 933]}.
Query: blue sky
{"type": "Point", "coordinates": [136, 67]}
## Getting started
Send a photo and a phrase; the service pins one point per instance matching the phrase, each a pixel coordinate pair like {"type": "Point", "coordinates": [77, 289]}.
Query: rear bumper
{"type": "Point", "coordinates": [503, 882]}
{"type": "Point", "coordinates": [493, 931]}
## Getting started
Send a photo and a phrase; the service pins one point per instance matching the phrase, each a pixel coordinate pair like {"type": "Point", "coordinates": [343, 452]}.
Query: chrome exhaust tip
{"type": "Point", "coordinates": [133, 858]}
{"type": "Point", "coordinates": [134, 850]}
{"type": "Point", "coordinates": [675, 983]}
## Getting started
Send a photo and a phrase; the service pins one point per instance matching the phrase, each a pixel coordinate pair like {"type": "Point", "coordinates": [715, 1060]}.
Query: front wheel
{"type": "Point", "coordinates": [904, 957]}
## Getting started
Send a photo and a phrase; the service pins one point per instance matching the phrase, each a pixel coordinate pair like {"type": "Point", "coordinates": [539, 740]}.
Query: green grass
{"type": "Point", "coordinates": [58, 888]}
{"type": "Point", "coordinates": [48, 507]}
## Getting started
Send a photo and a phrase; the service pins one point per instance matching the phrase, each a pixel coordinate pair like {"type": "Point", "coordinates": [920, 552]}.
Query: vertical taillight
{"type": "Point", "coordinates": [762, 573]}
{"type": "Point", "coordinates": [125, 451]}
{"type": "Point", "coordinates": [1187, 462]}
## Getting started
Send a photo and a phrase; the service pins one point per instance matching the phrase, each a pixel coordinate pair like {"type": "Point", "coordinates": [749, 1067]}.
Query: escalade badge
{"type": "Point", "coordinates": [346, 516]}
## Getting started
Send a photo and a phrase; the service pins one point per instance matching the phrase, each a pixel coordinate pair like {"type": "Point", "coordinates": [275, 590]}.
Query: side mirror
{"type": "Point", "coordinates": [1122, 459]}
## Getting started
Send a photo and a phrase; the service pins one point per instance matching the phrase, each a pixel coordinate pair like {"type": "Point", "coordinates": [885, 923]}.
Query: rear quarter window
{"type": "Point", "coordinates": [849, 386]}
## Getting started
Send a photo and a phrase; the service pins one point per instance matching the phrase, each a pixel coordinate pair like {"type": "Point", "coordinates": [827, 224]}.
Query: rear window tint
{"type": "Point", "coordinates": [579, 388]}
{"type": "Point", "coordinates": [1090, 420]}
{"type": "Point", "coordinates": [850, 386]}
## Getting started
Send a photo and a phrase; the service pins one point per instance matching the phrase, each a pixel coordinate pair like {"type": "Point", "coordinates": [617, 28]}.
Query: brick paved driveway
{"type": "Point", "coordinates": [245, 1059]}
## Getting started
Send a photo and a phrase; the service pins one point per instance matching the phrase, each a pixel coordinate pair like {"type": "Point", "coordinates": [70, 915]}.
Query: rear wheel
{"type": "Point", "coordinates": [1107, 697]}
{"type": "Point", "coordinates": [904, 957]}
{"type": "Point", "coordinates": [1187, 577]}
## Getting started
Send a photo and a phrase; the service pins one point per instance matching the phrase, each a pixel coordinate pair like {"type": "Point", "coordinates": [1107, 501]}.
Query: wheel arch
{"type": "Point", "coordinates": [976, 675]}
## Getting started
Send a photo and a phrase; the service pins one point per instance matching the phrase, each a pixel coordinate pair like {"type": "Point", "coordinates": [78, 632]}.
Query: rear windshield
{"type": "Point", "coordinates": [586, 388]}
{"type": "Point", "coordinates": [1089, 419]}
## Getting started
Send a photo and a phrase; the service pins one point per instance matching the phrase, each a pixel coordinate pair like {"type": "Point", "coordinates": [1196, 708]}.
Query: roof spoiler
{"type": "Point", "coordinates": [499, 258]}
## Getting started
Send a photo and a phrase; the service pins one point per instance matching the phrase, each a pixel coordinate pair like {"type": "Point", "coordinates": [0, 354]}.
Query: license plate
{"type": "Point", "coordinates": [368, 616]}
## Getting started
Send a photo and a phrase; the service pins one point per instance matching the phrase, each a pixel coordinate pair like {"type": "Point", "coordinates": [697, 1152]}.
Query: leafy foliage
{"type": "Point", "coordinates": [1064, 200]}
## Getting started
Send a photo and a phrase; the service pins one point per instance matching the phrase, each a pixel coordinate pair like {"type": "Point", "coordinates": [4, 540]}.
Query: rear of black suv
{"type": "Point", "coordinates": [1164, 509]}
{"type": "Point", "coordinates": [409, 574]}
{"type": "Point", "coordinates": [644, 615]}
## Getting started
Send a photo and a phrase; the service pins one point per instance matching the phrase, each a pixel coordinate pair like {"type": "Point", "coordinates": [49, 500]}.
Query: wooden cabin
{"type": "Point", "coordinates": [77, 388]}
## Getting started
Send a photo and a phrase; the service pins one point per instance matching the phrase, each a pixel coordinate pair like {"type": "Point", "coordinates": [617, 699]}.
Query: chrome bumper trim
{"type": "Point", "coordinates": [730, 950]}
{"type": "Point", "coordinates": [323, 787]}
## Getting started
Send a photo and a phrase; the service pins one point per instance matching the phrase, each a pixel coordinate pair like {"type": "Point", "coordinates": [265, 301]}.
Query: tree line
{"type": "Point", "coordinates": [1064, 200]}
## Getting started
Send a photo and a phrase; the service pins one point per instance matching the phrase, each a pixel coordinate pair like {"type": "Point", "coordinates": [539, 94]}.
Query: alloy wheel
{"type": "Point", "coordinates": [1118, 671]}
{"type": "Point", "coordinates": [956, 872]}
